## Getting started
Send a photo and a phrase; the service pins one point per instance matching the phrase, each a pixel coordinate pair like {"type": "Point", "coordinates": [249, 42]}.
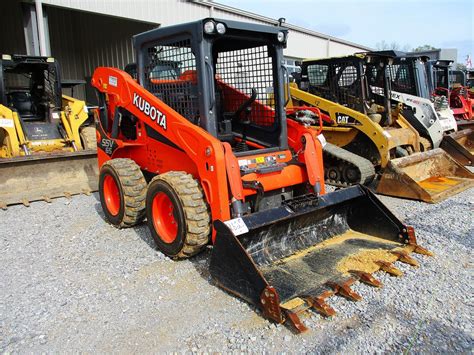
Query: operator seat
{"type": "Point", "coordinates": [22, 102]}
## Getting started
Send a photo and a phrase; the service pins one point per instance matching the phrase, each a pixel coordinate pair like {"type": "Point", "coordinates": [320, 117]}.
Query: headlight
{"type": "Point", "coordinates": [220, 27]}
{"type": "Point", "coordinates": [280, 36]}
{"type": "Point", "coordinates": [209, 27]}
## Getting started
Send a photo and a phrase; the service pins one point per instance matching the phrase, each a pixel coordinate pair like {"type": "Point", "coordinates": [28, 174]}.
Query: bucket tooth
{"type": "Point", "coordinates": [344, 289]}
{"type": "Point", "coordinates": [405, 258]}
{"type": "Point", "coordinates": [25, 202]}
{"type": "Point", "coordinates": [295, 321]}
{"type": "Point", "coordinates": [420, 250]}
{"type": "Point", "coordinates": [86, 192]}
{"type": "Point", "coordinates": [68, 195]}
{"type": "Point", "coordinates": [319, 304]}
{"type": "Point", "coordinates": [366, 278]}
{"type": "Point", "coordinates": [47, 199]}
{"type": "Point", "coordinates": [3, 205]}
{"type": "Point", "coordinates": [389, 268]}
{"type": "Point", "coordinates": [271, 304]}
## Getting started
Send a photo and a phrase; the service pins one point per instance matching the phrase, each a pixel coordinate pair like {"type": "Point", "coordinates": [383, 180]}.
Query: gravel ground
{"type": "Point", "coordinates": [71, 282]}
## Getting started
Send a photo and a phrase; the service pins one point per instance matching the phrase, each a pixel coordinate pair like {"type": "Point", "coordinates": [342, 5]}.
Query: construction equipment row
{"type": "Point", "coordinates": [205, 138]}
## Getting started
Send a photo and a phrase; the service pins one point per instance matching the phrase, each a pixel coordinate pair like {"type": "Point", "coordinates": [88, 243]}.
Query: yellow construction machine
{"type": "Point", "coordinates": [359, 117]}
{"type": "Point", "coordinates": [47, 140]}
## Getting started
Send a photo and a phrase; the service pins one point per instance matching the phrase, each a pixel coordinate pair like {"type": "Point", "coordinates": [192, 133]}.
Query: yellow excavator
{"type": "Point", "coordinates": [47, 139]}
{"type": "Point", "coordinates": [359, 117]}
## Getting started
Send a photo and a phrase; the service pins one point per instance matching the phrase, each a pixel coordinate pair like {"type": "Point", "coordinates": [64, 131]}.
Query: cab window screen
{"type": "Point", "coordinates": [171, 76]}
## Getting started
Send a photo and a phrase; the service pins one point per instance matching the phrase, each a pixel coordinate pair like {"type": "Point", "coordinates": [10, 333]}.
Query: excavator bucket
{"type": "Point", "coordinates": [43, 177]}
{"type": "Point", "coordinates": [292, 258]}
{"type": "Point", "coordinates": [460, 145]}
{"type": "Point", "coordinates": [430, 176]}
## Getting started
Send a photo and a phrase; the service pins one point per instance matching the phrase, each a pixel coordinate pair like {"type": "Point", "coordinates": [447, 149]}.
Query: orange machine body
{"type": "Point", "coordinates": [167, 141]}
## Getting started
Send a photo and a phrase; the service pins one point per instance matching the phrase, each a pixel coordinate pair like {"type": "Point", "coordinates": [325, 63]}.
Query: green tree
{"type": "Point", "coordinates": [423, 48]}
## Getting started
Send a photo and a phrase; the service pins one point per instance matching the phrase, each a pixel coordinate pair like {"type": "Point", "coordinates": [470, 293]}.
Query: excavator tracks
{"type": "Point", "coordinates": [343, 168]}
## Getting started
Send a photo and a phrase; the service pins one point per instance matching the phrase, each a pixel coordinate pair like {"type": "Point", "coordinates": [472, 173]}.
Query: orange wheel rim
{"type": "Point", "coordinates": [111, 195]}
{"type": "Point", "coordinates": [164, 220]}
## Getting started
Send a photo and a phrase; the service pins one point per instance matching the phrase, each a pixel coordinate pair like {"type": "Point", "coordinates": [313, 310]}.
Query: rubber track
{"type": "Point", "coordinates": [198, 219]}
{"type": "Point", "coordinates": [333, 153]}
{"type": "Point", "coordinates": [134, 190]}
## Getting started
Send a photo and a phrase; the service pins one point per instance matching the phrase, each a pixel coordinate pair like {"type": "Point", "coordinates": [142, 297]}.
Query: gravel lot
{"type": "Point", "coordinates": [71, 282]}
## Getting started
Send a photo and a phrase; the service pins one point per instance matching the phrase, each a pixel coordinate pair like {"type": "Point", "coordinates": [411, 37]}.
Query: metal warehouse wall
{"type": "Point", "coordinates": [12, 39]}
{"type": "Point", "coordinates": [167, 12]}
{"type": "Point", "coordinates": [83, 41]}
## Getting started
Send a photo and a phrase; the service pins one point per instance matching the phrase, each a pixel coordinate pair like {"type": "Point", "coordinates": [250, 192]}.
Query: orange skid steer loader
{"type": "Point", "coordinates": [196, 145]}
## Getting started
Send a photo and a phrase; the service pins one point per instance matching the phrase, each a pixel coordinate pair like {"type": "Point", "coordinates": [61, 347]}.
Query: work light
{"type": "Point", "coordinates": [209, 27]}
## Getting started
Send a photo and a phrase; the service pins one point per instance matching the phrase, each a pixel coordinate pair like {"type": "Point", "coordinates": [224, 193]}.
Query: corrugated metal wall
{"type": "Point", "coordinates": [169, 12]}
{"type": "Point", "coordinates": [100, 32]}
{"type": "Point", "coordinates": [12, 39]}
{"type": "Point", "coordinates": [82, 41]}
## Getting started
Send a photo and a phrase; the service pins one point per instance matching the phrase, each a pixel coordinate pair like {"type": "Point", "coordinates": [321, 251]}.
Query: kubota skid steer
{"type": "Point", "coordinates": [196, 145]}
{"type": "Point", "coordinates": [46, 148]}
{"type": "Point", "coordinates": [359, 117]}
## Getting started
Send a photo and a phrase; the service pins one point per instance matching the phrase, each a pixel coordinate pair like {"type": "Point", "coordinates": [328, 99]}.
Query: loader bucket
{"type": "Point", "coordinates": [460, 145]}
{"type": "Point", "coordinates": [289, 259]}
{"type": "Point", "coordinates": [47, 176]}
{"type": "Point", "coordinates": [430, 176]}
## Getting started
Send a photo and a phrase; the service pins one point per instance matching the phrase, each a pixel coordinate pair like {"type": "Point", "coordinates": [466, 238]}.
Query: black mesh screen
{"type": "Point", "coordinates": [338, 82]}
{"type": "Point", "coordinates": [401, 78]}
{"type": "Point", "coordinates": [171, 76]}
{"type": "Point", "coordinates": [240, 71]}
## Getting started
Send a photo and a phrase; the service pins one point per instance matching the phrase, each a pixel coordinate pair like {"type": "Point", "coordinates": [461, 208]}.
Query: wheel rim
{"type": "Point", "coordinates": [111, 195]}
{"type": "Point", "coordinates": [351, 174]}
{"type": "Point", "coordinates": [164, 220]}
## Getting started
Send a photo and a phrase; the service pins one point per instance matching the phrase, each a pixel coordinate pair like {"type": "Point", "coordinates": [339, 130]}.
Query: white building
{"type": "Point", "coordinates": [84, 34]}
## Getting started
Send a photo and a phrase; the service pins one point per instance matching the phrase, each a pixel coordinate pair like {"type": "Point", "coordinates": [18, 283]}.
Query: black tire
{"type": "Point", "coordinates": [131, 191]}
{"type": "Point", "coordinates": [88, 138]}
{"type": "Point", "coordinates": [190, 214]}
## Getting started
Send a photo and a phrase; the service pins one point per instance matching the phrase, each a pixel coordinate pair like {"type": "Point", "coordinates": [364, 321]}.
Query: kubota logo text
{"type": "Point", "coordinates": [149, 110]}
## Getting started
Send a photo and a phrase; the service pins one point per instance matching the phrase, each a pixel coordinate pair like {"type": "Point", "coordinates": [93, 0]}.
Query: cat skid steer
{"type": "Point", "coordinates": [353, 94]}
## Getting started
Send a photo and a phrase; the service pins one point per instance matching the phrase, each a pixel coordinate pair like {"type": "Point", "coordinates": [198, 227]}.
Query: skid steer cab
{"type": "Point", "coordinates": [35, 116]}
{"type": "Point", "coordinates": [47, 139]}
{"type": "Point", "coordinates": [198, 141]}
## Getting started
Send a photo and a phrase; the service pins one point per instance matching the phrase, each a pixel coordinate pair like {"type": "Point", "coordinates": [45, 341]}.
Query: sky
{"type": "Point", "coordinates": [410, 23]}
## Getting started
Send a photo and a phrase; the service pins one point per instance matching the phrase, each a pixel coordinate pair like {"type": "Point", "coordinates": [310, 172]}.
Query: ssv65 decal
{"type": "Point", "coordinates": [149, 110]}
